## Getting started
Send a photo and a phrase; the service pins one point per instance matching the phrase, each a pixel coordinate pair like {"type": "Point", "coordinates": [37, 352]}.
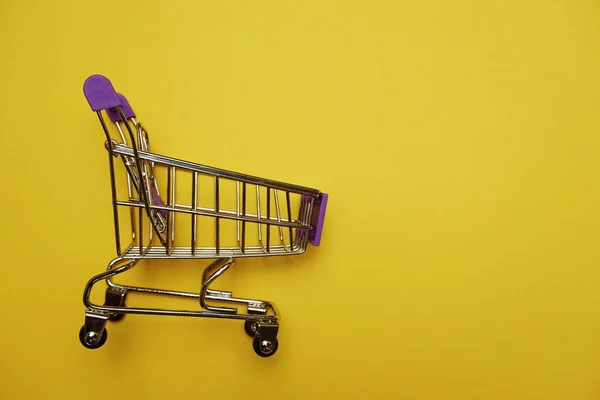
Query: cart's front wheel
{"type": "Point", "coordinates": [250, 327]}
{"type": "Point", "coordinates": [90, 340]}
{"type": "Point", "coordinates": [265, 348]}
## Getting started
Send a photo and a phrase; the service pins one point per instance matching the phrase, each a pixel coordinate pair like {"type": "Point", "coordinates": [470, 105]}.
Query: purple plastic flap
{"type": "Point", "coordinates": [127, 110]}
{"type": "Point", "coordinates": [318, 219]}
{"type": "Point", "coordinates": [100, 93]}
{"type": "Point", "coordinates": [159, 202]}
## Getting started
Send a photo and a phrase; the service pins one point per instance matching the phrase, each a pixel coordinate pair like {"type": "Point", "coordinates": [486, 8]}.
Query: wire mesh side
{"type": "Point", "coordinates": [182, 209]}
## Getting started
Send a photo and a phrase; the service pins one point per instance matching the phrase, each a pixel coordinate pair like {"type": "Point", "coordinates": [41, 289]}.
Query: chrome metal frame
{"type": "Point", "coordinates": [146, 204]}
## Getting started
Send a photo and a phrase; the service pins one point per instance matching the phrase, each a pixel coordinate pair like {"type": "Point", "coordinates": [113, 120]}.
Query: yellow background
{"type": "Point", "coordinates": [458, 141]}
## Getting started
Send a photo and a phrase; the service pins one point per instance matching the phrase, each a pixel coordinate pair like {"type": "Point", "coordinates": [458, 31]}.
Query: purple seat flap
{"type": "Point", "coordinates": [127, 110]}
{"type": "Point", "coordinates": [100, 93]}
{"type": "Point", "coordinates": [318, 219]}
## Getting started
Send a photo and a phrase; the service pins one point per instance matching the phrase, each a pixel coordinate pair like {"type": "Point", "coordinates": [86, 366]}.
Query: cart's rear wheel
{"type": "Point", "coordinates": [265, 348]}
{"type": "Point", "coordinates": [117, 317]}
{"type": "Point", "coordinates": [115, 297]}
{"type": "Point", "coordinates": [250, 327]}
{"type": "Point", "coordinates": [83, 335]}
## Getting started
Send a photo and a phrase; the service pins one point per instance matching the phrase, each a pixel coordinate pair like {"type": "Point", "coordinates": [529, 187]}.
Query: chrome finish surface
{"type": "Point", "coordinates": [157, 195]}
{"type": "Point", "coordinates": [222, 173]}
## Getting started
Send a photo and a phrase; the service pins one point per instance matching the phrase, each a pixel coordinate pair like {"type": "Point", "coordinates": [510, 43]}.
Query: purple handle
{"type": "Point", "coordinates": [100, 93]}
{"type": "Point", "coordinates": [318, 219]}
{"type": "Point", "coordinates": [127, 110]}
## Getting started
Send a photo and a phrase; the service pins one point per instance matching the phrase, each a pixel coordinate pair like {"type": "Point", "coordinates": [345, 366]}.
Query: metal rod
{"type": "Point", "coordinates": [289, 210]}
{"type": "Point", "coordinates": [268, 218]}
{"type": "Point", "coordinates": [243, 216]}
{"type": "Point", "coordinates": [121, 133]}
{"type": "Point", "coordinates": [112, 183]}
{"type": "Point", "coordinates": [194, 205]}
{"type": "Point", "coordinates": [129, 188]}
{"type": "Point", "coordinates": [141, 229]}
{"type": "Point", "coordinates": [258, 215]}
{"type": "Point", "coordinates": [212, 272]}
{"type": "Point", "coordinates": [237, 209]}
{"type": "Point", "coordinates": [146, 178]}
{"type": "Point", "coordinates": [169, 214]}
{"type": "Point", "coordinates": [278, 214]}
{"type": "Point", "coordinates": [217, 212]}
{"type": "Point", "coordinates": [173, 186]}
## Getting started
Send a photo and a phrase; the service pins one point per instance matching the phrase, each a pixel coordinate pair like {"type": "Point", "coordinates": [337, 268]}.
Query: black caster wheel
{"type": "Point", "coordinates": [265, 348]}
{"type": "Point", "coordinates": [250, 328]}
{"type": "Point", "coordinates": [117, 317]}
{"type": "Point", "coordinates": [115, 298]}
{"type": "Point", "coordinates": [96, 345]}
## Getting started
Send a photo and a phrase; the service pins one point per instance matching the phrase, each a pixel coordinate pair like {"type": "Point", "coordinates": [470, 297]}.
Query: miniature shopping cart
{"type": "Point", "coordinates": [177, 209]}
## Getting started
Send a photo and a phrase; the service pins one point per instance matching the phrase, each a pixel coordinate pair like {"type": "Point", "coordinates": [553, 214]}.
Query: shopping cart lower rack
{"type": "Point", "coordinates": [220, 215]}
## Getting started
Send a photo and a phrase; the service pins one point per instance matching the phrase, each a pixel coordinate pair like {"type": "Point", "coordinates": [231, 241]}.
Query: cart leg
{"type": "Point", "coordinates": [115, 297]}
{"type": "Point", "coordinates": [212, 272]}
{"type": "Point", "coordinates": [93, 333]}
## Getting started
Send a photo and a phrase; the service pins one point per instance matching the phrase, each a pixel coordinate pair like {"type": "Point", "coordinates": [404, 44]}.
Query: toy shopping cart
{"type": "Point", "coordinates": [220, 216]}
